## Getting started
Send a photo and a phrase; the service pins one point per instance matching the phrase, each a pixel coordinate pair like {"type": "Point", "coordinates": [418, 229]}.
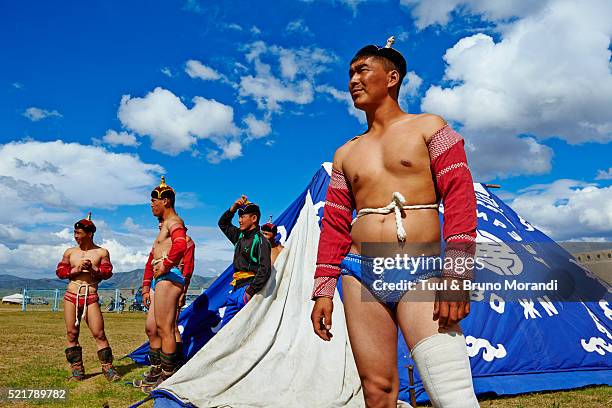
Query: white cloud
{"type": "Point", "coordinates": [255, 30]}
{"type": "Point", "coordinates": [36, 114]}
{"type": "Point", "coordinates": [114, 138]}
{"type": "Point", "coordinates": [298, 27]}
{"type": "Point", "coordinates": [195, 69]}
{"type": "Point", "coordinates": [430, 12]}
{"type": "Point", "coordinates": [410, 88]}
{"type": "Point", "coordinates": [503, 155]}
{"type": "Point", "coordinates": [46, 182]}
{"type": "Point", "coordinates": [17, 85]}
{"type": "Point", "coordinates": [172, 126]}
{"type": "Point", "coordinates": [344, 97]}
{"type": "Point", "coordinates": [167, 72]}
{"type": "Point", "coordinates": [193, 6]}
{"type": "Point", "coordinates": [233, 26]}
{"type": "Point", "coordinates": [230, 150]}
{"type": "Point", "coordinates": [548, 76]}
{"type": "Point", "coordinates": [297, 70]}
{"type": "Point", "coordinates": [257, 128]}
{"type": "Point", "coordinates": [604, 174]}
{"type": "Point", "coordinates": [567, 209]}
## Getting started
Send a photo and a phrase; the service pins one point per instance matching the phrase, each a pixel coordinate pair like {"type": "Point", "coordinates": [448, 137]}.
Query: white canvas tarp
{"type": "Point", "coordinates": [268, 355]}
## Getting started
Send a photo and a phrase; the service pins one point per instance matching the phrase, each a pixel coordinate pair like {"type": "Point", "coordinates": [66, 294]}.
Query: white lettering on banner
{"type": "Point", "coordinates": [317, 207]}
{"type": "Point", "coordinates": [497, 303]}
{"type": "Point", "coordinates": [547, 305]}
{"type": "Point", "coordinates": [497, 256]}
{"type": "Point", "coordinates": [482, 215]}
{"type": "Point", "coordinates": [498, 223]}
{"type": "Point", "coordinates": [527, 225]}
{"type": "Point", "coordinates": [515, 236]}
{"type": "Point", "coordinates": [597, 344]}
{"type": "Point", "coordinates": [221, 314]}
{"type": "Point", "coordinates": [474, 345]}
{"type": "Point", "coordinates": [283, 234]}
{"type": "Point", "coordinates": [529, 309]}
{"type": "Point", "coordinates": [533, 252]}
{"type": "Point", "coordinates": [488, 202]}
{"type": "Point", "coordinates": [604, 306]}
{"type": "Point", "coordinates": [476, 295]}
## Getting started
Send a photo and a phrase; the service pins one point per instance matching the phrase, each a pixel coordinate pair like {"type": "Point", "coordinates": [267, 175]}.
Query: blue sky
{"type": "Point", "coordinates": [97, 101]}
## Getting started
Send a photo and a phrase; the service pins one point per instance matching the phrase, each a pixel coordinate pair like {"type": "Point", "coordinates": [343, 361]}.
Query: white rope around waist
{"type": "Point", "coordinates": [397, 204]}
{"type": "Point", "coordinates": [85, 295]}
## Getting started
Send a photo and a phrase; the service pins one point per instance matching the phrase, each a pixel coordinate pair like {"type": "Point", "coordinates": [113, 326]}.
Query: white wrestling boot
{"type": "Point", "coordinates": [444, 368]}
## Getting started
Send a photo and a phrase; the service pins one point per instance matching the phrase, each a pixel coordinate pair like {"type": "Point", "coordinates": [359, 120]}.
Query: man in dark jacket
{"type": "Point", "coordinates": [252, 266]}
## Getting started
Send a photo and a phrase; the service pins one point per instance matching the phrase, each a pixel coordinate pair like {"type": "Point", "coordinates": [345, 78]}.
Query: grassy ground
{"type": "Point", "coordinates": [32, 345]}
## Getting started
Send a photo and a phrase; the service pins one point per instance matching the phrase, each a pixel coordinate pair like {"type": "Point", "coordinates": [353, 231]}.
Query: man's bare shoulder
{"type": "Point", "coordinates": [68, 252]}
{"type": "Point", "coordinates": [103, 252]}
{"type": "Point", "coordinates": [173, 222]}
{"type": "Point", "coordinates": [343, 152]}
{"type": "Point", "coordinates": [429, 124]}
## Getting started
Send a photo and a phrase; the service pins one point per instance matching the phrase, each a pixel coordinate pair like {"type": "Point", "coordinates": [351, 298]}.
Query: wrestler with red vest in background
{"type": "Point", "coordinates": [186, 266]}
{"type": "Point", "coordinates": [414, 161]}
{"type": "Point", "coordinates": [85, 266]}
{"type": "Point", "coordinates": [168, 284]}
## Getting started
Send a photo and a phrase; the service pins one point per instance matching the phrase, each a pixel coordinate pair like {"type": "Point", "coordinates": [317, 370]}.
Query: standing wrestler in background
{"type": "Point", "coordinates": [186, 266]}
{"type": "Point", "coordinates": [85, 265]}
{"type": "Point", "coordinates": [168, 284]}
{"type": "Point", "coordinates": [269, 230]}
{"type": "Point", "coordinates": [400, 155]}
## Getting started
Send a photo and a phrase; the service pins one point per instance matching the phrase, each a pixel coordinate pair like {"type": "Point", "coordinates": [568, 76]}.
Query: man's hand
{"type": "Point", "coordinates": [146, 299]}
{"type": "Point", "coordinates": [84, 265]}
{"type": "Point", "coordinates": [239, 203]}
{"type": "Point", "coordinates": [451, 305]}
{"type": "Point", "coordinates": [321, 317]}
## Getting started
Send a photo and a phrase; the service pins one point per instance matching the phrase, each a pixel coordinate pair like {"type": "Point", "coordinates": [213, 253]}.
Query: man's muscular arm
{"type": "Point", "coordinates": [105, 270]}
{"type": "Point", "coordinates": [64, 269]}
{"type": "Point", "coordinates": [455, 186]}
{"type": "Point", "coordinates": [147, 277]}
{"type": "Point", "coordinates": [178, 236]}
{"type": "Point", "coordinates": [334, 244]}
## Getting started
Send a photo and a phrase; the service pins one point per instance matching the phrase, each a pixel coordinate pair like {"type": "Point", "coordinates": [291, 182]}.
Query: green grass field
{"type": "Point", "coordinates": [33, 357]}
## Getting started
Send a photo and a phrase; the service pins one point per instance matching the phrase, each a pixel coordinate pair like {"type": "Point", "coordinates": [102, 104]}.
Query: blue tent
{"type": "Point", "coordinates": [515, 346]}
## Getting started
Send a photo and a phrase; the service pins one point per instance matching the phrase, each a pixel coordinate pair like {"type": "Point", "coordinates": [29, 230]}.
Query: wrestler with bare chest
{"type": "Point", "coordinates": [85, 265]}
{"type": "Point", "coordinates": [167, 274]}
{"type": "Point", "coordinates": [394, 175]}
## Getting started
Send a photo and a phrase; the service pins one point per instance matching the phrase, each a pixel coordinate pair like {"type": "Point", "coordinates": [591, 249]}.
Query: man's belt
{"type": "Point", "coordinates": [241, 275]}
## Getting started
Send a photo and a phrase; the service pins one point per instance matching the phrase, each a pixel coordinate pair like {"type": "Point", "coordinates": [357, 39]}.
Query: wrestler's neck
{"type": "Point", "coordinates": [169, 213]}
{"type": "Point", "coordinates": [87, 245]}
{"type": "Point", "coordinates": [380, 116]}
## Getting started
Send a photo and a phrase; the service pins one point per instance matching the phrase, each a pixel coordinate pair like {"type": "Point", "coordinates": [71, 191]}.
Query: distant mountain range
{"type": "Point", "coordinates": [119, 280]}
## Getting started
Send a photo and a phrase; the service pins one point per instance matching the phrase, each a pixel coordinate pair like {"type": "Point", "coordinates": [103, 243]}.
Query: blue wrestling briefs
{"type": "Point", "coordinates": [173, 275]}
{"type": "Point", "coordinates": [389, 281]}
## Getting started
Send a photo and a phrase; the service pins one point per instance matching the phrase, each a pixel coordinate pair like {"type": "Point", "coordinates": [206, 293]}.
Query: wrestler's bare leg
{"type": "Point", "coordinates": [373, 334]}
{"type": "Point", "coordinates": [95, 321]}
{"type": "Point", "coordinates": [166, 298]}
{"type": "Point", "coordinates": [414, 315]}
{"type": "Point", "coordinates": [150, 324]}
{"type": "Point", "coordinates": [72, 331]}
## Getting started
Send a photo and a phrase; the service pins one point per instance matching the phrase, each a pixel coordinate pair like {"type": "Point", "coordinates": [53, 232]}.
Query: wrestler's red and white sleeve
{"type": "Point", "coordinates": [455, 186]}
{"type": "Point", "coordinates": [104, 271]}
{"type": "Point", "coordinates": [64, 269]}
{"type": "Point", "coordinates": [178, 235]}
{"type": "Point", "coordinates": [335, 240]}
{"type": "Point", "coordinates": [188, 263]}
{"type": "Point", "coordinates": [147, 277]}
